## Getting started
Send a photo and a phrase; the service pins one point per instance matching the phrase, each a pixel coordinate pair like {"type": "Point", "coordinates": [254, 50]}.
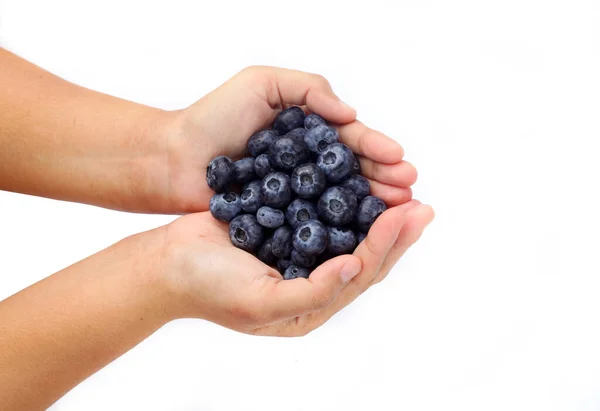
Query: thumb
{"type": "Point", "coordinates": [292, 87]}
{"type": "Point", "coordinates": [293, 298]}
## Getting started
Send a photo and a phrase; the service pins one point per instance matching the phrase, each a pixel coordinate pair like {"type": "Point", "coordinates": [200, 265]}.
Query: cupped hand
{"type": "Point", "coordinates": [222, 122]}
{"type": "Point", "coordinates": [208, 278]}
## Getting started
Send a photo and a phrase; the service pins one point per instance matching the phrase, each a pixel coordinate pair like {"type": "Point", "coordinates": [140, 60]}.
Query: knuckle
{"type": "Point", "coordinates": [253, 72]}
{"type": "Point", "coordinates": [321, 80]}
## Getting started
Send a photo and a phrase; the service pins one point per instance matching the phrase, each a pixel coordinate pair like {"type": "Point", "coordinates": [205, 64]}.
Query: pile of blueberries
{"type": "Point", "coordinates": [303, 199]}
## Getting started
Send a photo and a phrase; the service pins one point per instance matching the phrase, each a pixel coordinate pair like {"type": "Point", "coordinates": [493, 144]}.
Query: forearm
{"type": "Point", "coordinates": [66, 142]}
{"type": "Point", "coordinates": [59, 331]}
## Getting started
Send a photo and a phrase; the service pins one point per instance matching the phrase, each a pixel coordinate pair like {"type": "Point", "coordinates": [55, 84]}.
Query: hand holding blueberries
{"type": "Point", "coordinates": [319, 184]}
{"type": "Point", "coordinates": [308, 209]}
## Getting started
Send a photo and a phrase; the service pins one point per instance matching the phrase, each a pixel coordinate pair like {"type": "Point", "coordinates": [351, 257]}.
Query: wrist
{"type": "Point", "coordinates": [146, 283]}
{"type": "Point", "coordinates": [150, 162]}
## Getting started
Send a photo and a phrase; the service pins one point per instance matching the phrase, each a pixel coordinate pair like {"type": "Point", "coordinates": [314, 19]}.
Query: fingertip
{"type": "Point", "coordinates": [411, 174]}
{"type": "Point", "coordinates": [426, 212]}
{"type": "Point", "coordinates": [349, 111]}
{"type": "Point", "coordinates": [395, 152]}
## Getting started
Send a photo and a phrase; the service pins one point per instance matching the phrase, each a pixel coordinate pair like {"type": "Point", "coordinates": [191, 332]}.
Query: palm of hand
{"type": "Point", "coordinates": [220, 283]}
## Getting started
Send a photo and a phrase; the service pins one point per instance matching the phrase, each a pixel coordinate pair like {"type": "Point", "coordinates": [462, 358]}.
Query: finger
{"type": "Point", "coordinates": [293, 298]}
{"type": "Point", "coordinates": [417, 219]}
{"type": "Point", "coordinates": [370, 143]}
{"type": "Point", "coordinates": [391, 195]}
{"type": "Point", "coordinates": [301, 88]}
{"type": "Point", "coordinates": [372, 252]}
{"type": "Point", "coordinates": [402, 174]}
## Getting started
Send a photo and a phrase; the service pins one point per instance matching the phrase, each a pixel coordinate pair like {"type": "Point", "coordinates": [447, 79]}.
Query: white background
{"type": "Point", "coordinates": [498, 105]}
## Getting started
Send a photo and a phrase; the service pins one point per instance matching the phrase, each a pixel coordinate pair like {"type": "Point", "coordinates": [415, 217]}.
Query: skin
{"type": "Point", "coordinates": [62, 141]}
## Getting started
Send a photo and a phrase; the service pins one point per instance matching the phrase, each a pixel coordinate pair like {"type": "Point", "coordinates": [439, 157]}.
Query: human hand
{"type": "Point", "coordinates": [209, 278]}
{"type": "Point", "coordinates": [222, 122]}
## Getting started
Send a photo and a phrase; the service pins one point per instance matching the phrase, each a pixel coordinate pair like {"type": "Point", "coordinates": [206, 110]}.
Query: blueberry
{"type": "Point", "coordinates": [360, 236]}
{"type": "Point", "coordinates": [287, 154]}
{"type": "Point", "coordinates": [220, 173]}
{"type": "Point", "coordinates": [302, 260]}
{"type": "Point", "coordinates": [308, 181]}
{"type": "Point", "coordinates": [275, 190]}
{"type": "Point", "coordinates": [289, 119]}
{"type": "Point", "coordinates": [297, 134]}
{"type": "Point", "coordinates": [265, 252]}
{"type": "Point", "coordinates": [283, 264]}
{"type": "Point", "coordinates": [342, 240]}
{"type": "Point", "coordinates": [225, 207]}
{"type": "Point", "coordinates": [313, 120]}
{"type": "Point", "coordinates": [337, 206]}
{"type": "Point", "coordinates": [358, 184]}
{"type": "Point", "coordinates": [299, 211]}
{"type": "Point", "coordinates": [282, 242]}
{"type": "Point", "coordinates": [310, 238]}
{"type": "Point", "coordinates": [260, 142]}
{"type": "Point", "coordinates": [369, 209]}
{"type": "Point", "coordinates": [336, 162]}
{"type": "Point", "coordinates": [270, 217]}
{"type": "Point", "coordinates": [293, 272]}
{"type": "Point", "coordinates": [244, 170]}
{"type": "Point", "coordinates": [355, 166]}
{"type": "Point", "coordinates": [245, 232]}
{"type": "Point", "coordinates": [250, 198]}
{"type": "Point", "coordinates": [320, 137]}
{"type": "Point", "coordinates": [262, 165]}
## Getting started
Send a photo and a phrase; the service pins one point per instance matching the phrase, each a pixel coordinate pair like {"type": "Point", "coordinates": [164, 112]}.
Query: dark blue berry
{"type": "Point", "coordinates": [337, 206]}
{"type": "Point", "coordinates": [270, 217]}
{"type": "Point", "coordinates": [310, 238]}
{"type": "Point", "coordinates": [358, 184]}
{"type": "Point", "coordinates": [289, 119]}
{"type": "Point", "coordinates": [326, 256]}
{"type": "Point", "coordinates": [283, 264]}
{"type": "Point", "coordinates": [302, 260]}
{"type": "Point", "coordinates": [299, 211]}
{"type": "Point", "coordinates": [342, 240]}
{"type": "Point", "coordinates": [313, 120]}
{"type": "Point", "coordinates": [244, 170]}
{"type": "Point", "coordinates": [336, 161]}
{"type": "Point", "coordinates": [250, 197]}
{"type": "Point", "coordinates": [369, 209]}
{"type": "Point", "coordinates": [320, 137]}
{"type": "Point", "coordinates": [246, 233]}
{"type": "Point", "coordinates": [287, 154]}
{"type": "Point", "coordinates": [262, 165]}
{"type": "Point", "coordinates": [360, 236]}
{"type": "Point", "coordinates": [297, 134]}
{"type": "Point", "coordinates": [275, 190]}
{"type": "Point", "coordinates": [265, 252]}
{"type": "Point", "coordinates": [220, 173]}
{"type": "Point", "coordinates": [293, 272]}
{"type": "Point", "coordinates": [282, 242]}
{"type": "Point", "coordinates": [225, 207]}
{"type": "Point", "coordinates": [308, 181]}
{"type": "Point", "coordinates": [260, 142]}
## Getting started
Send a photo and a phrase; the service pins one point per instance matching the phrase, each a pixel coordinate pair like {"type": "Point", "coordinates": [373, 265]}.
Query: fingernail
{"type": "Point", "coordinates": [350, 270]}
